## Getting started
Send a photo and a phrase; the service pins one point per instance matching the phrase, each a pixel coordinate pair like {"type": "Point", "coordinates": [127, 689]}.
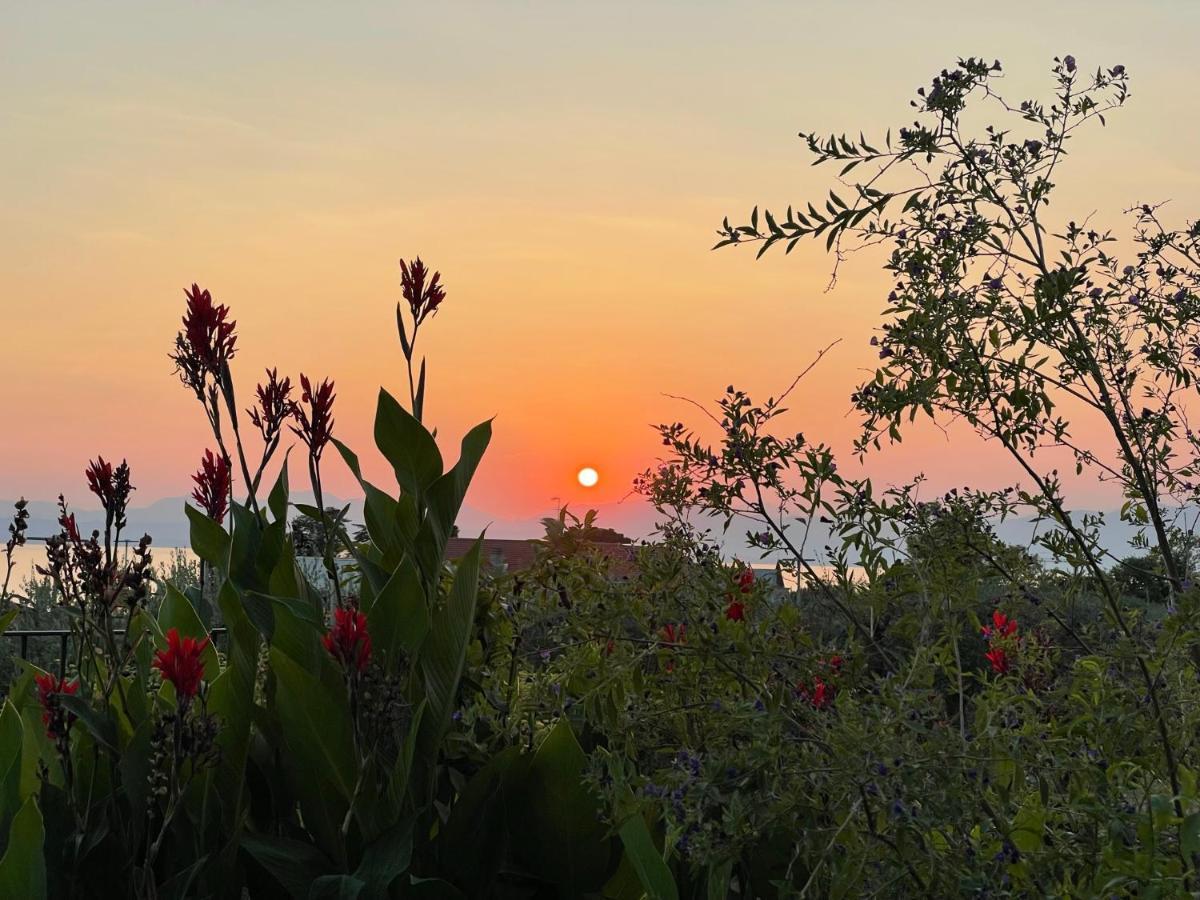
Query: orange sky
{"type": "Point", "coordinates": [563, 165]}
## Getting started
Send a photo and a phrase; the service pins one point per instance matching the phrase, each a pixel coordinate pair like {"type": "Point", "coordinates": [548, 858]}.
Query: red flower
{"type": "Point", "coordinates": [209, 337]}
{"type": "Point", "coordinates": [1002, 626]}
{"type": "Point", "coordinates": [54, 717]}
{"type": "Point", "coordinates": [735, 611]}
{"type": "Point", "coordinates": [275, 406]}
{"type": "Point", "coordinates": [610, 648]}
{"type": "Point", "coordinates": [100, 479]}
{"type": "Point", "coordinates": [111, 486]}
{"type": "Point", "coordinates": [834, 663]}
{"type": "Point", "coordinates": [211, 492]}
{"type": "Point", "coordinates": [316, 425]}
{"type": "Point", "coordinates": [674, 634]}
{"type": "Point", "coordinates": [423, 299]}
{"type": "Point", "coordinates": [348, 641]}
{"type": "Point", "coordinates": [999, 659]}
{"type": "Point", "coordinates": [67, 522]}
{"type": "Point", "coordinates": [181, 663]}
{"type": "Point", "coordinates": [820, 695]}
{"type": "Point", "coordinates": [746, 581]}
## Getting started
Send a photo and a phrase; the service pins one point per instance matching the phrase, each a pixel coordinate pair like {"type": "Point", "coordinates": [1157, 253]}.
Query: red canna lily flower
{"type": "Point", "coordinates": [100, 479]}
{"type": "Point", "coordinates": [349, 641]}
{"type": "Point", "coordinates": [209, 336]}
{"type": "Point", "coordinates": [999, 659]}
{"type": "Point", "coordinates": [820, 695]}
{"type": "Point", "coordinates": [316, 425]}
{"type": "Point", "coordinates": [56, 719]}
{"type": "Point", "coordinates": [211, 492]}
{"type": "Point", "coordinates": [423, 299]}
{"type": "Point", "coordinates": [735, 611]}
{"type": "Point", "coordinates": [1002, 626]}
{"type": "Point", "coordinates": [181, 664]}
{"type": "Point", "coordinates": [275, 406]}
{"type": "Point", "coordinates": [67, 522]}
{"type": "Point", "coordinates": [111, 485]}
{"type": "Point", "coordinates": [674, 634]}
{"type": "Point", "coordinates": [746, 581]}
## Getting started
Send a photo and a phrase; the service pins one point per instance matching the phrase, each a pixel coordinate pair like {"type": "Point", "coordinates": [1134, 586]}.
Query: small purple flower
{"type": "Point", "coordinates": [1118, 70]}
{"type": "Point", "coordinates": [886, 353]}
{"type": "Point", "coordinates": [456, 716]}
{"type": "Point", "coordinates": [1069, 63]}
{"type": "Point", "coordinates": [1033, 148]}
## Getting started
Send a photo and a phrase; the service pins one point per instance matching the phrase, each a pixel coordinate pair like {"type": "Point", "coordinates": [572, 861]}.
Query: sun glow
{"type": "Point", "coordinates": [588, 477]}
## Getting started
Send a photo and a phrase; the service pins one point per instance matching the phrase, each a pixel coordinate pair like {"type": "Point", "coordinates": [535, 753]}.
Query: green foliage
{"type": "Point", "coordinates": [917, 709]}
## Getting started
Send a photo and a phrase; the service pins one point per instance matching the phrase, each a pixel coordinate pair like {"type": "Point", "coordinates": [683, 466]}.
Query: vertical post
{"type": "Point", "coordinates": [62, 656]}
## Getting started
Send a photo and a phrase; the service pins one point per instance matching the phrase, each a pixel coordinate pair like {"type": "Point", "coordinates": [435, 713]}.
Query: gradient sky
{"type": "Point", "coordinates": [563, 165]}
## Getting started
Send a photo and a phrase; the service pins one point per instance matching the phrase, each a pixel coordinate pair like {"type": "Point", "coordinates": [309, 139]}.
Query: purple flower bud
{"type": "Point", "coordinates": [1069, 63]}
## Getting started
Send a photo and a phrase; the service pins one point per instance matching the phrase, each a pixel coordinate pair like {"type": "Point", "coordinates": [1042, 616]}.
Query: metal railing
{"type": "Point", "coordinates": [63, 636]}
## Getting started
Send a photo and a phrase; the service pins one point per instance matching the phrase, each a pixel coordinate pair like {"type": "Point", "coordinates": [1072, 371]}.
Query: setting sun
{"type": "Point", "coordinates": [588, 477]}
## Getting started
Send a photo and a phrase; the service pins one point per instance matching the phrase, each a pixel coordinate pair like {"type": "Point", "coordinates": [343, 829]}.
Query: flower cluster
{"type": "Point", "coordinates": [821, 691]}
{"type": "Point", "coordinates": [213, 480]}
{"type": "Point", "coordinates": [423, 298]}
{"type": "Point", "coordinates": [206, 344]}
{"type": "Point", "coordinates": [275, 406]}
{"type": "Point", "coordinates": [348, 641]}
{"type": "Point", "coordinates": [111, 485]}
{"type": "Point", "coordinates": [672, 635]}
{"type": "Point", "coordinates": [1002, 639]}
{"type": "Point", "coordinates": [182, 664]}
{"type": "Point", "coordinates": [18, 526]}
{"type": "Point", "coordinates": [56, 719]}
{"type": "Point", "coordinates": [735, 605]}
{"type": "Point", "coordinates": [315, 424]}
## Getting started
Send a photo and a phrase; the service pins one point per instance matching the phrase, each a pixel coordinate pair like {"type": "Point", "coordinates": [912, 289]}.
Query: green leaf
{"type": "Point", "coordinates": [398, 618]}
{"type": "Point", "coordinates": [1189, 835]}
{"type": "Point", "coordinates": [209, 540]}
{"type": "Point", "coordinates": [560, 833]}
{"type": "Point", "coordinates": [23, 867]}
{"type": "Point", "coordinates": [296, 865]}
{"type": "Point", "coordinates": [7, 619]}
{"type": "Point", "coordinates": [277, 502]}
{"type": "Point", "coordinates": [335, 887]}
{"type": "Point", "coordinates": [99, 724]}
{"type": "Point", "coordinates": [316, 724]}
{"type": "Point", "coordinates": [447, 494]}
{"type": "Point", "coordinates": [12, 735]}
{"type": "Point", "coordinates": [647, 861]}
{"type": "Point", "coordinates": [385, 860]}
{"type": "Point", "coordinates": [407, 445]}
{"type": "Point", "coordinates": [444, 652]}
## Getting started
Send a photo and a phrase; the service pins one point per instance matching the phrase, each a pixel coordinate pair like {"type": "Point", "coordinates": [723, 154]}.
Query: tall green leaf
{"type": "Point", "coordinates": [407, 445]}
{"type": "Point", "coordinates": [646, 859]}
{"type": "Point", "coordinates": [444, 652]}
{"type": "Point", "coordinates": [23, 867]}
